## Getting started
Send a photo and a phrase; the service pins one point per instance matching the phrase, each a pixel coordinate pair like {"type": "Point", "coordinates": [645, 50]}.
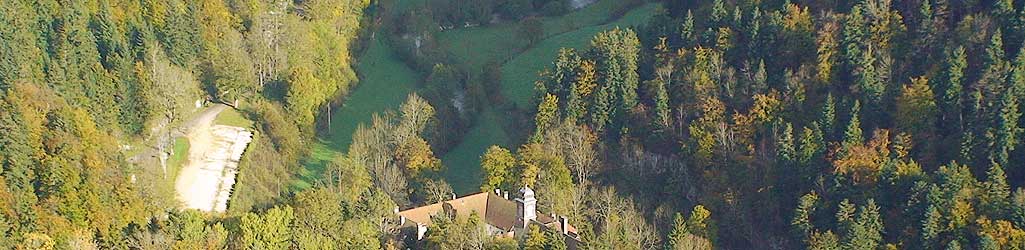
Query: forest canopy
{"type": "Point", "coordinates": [724, 124]}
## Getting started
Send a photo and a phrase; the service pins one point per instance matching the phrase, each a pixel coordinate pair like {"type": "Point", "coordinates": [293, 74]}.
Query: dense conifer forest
{"type": "Point", "coordinates": [673, 124]}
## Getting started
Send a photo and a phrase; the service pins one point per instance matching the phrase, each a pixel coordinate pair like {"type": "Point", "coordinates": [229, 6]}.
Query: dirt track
{"type": "Point", "coordinates": [210, 166]}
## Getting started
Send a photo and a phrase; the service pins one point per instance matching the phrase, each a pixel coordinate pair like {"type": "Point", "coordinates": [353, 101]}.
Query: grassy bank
{"type": "Point", "coordinates": [384, 84]}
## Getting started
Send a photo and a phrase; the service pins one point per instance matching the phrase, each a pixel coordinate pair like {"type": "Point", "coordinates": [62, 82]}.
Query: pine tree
{"type": "Point", "coordinates": [823, 241]}
{"type": "Point", "coordinates": [869, 81]}
{"type": "Point", "coordinates": [811, 147]}
{"type": "Point", "coordinates": [996, 192]}
{"type": "Point", "coordinates": [786, 153]}
{"type": "Point", "coordinates": [953, 245]}
{"type": "Point", "coordinates": [845, 222]}
{"type": "Point", "coordinates": [951, 91]}
{"type": "Point", "coordinates": [986, 242]}
{"type": "Point", "coordinates": [852, 135]}
{"type": "Point", "coordinates": [678, 233]}
{"type": "Point", "coordinates": [827, 52]}
{"type": "Point", "coordinates": [687, 30]}
{"type": "Point", "coordinates": [719, 13]}
{"type": "Point", "coordinates": [1003, 10]}
{"type": "Point", "coordinates": [827, 118]}
{"type": "Point", "coordinates": [583, 86]}
{"type": "Point", "coordinates": [916, 109]}
{"type": "Point", "coordinates": [931, 227]}
{"type": "Point", "coordinates": [760, 85]}
{"type": "Point", "coordinates": [662, 111]}
{"type": "Point", "coordinates": [802, 217]}
{"type": "Point", "coordinates": [995, 50]}
{"type": "Point", "coordinates": [1007, 130]}
{"type": "Point", "coordinates": [547, 116]}
{"type": "Point", "coordinates": [926, 27]}
{"type": "Point", "coordinates": [854, 37]}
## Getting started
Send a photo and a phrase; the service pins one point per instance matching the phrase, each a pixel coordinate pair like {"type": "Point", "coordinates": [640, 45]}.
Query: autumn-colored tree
{"type": "Point", "coordinates": [916, 109]}
{"type": "Point", "coordinates": [546, 117]}
{"type": "Point", "coordinates": [498, 164]}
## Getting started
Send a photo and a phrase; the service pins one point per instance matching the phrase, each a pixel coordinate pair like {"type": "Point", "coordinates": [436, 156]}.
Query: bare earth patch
{"type": "Point", "coordinates": [206, 179]}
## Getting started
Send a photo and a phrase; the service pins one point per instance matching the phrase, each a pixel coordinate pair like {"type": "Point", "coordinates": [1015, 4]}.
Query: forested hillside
{"type": "Point", "coordinates": [808, 124]}
{"type": "Point", "coordinates": [724, 124]}
{"type": "Point", "coordinates": [87, 85]}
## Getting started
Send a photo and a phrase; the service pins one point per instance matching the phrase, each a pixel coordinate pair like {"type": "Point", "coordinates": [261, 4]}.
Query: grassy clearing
{"type": "Point", "coordinates": [476, 46]}
{"type": "Point", "coordinates": [179, 155]}
{"type": "Point", "coordinates": [462, 163]}
{"type": "Point", "coordinates": [519, 74]}
{"type": "Point", "coordinates": [232, 117]}
{"type": "Point", "coordinates": [385, 83]}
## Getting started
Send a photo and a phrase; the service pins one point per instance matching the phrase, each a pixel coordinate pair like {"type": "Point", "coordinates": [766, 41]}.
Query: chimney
{"type": "Point", "coordinates": [421, 230]}
{"type": "Point", "coordinates": [564, 224]}
{"type": "Point", "coordinates": [498, 192]}
{"type": "Point", "coordinates": [453, 195]}
{"type": "Point", "coordinates": [505, 194]}
{"type": "Point", "coordinates": [396, 210]}
{"type": "Point", "coordinates": [402, 220]}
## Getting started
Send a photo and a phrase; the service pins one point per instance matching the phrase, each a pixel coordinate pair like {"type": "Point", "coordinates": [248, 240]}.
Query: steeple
{"type": "Point", "coordinates": [526, 207]}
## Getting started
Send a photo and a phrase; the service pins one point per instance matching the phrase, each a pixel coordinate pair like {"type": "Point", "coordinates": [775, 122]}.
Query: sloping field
{"type": "Point", "coordinates": [476, 46]}
{"type": "Point", "coordinates": [384, 84]}
{"type": "Point", "coordinates": [519, 74]}
{"type": "Point", "coordinates": [462, 163]}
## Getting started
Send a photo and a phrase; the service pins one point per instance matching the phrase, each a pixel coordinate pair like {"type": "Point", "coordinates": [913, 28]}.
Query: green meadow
{"type": "Point", "coordinates": [384, 84]}
{"type": "Point", "coordinates": [385, 81]}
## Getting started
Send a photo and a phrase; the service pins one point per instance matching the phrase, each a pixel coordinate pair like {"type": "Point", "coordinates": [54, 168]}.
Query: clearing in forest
{"type": "Point", "coordinates": [206, 179]}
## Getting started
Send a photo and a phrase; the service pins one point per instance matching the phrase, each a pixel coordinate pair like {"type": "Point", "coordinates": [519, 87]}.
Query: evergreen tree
{"type": "Point", "coordinates": [824, 241]}
{"type": "Point", "coordinates": [996, 193]}
{"type": "Point", "coordinates": [852, 135]}
{"type": "Point", "coordinates": [662, 111]}
{"type": "Point", "coordinates": [811, 148]}
{"type": "Point", "coordinates": [995, 50]}
{"type": "Point", "coordinates": [854, 37]}
{"type": "Point", "coordinates": [802, 217]}
{"type": "Point", "coordinates": [1007, 129]}
{"type": "Point", "coordinates": [916, 109]}
{"type": "Point", "coordinates": [719, 13]}
{"type": "Point", "coordinates": [786, 152]}
{"type": "Point", "coordinates": [827, 118]}
{"type": "Point", "coordinates": [931, 228]}
{"type": "Point", "coordinates": [678, 233]}
{"type": "Point", "coordinates": [869, 81]}
{"type": "Point", "coordinates": [547, 116]}
{"type": "Point", "coordinates": [951, 91]}
{"type": "Point", "coordinates": [827, 52]}
{"type": "Point", "coordinates": [583, 87]}
{"type": "Point", "coordinates": [987, 242]}
{"type": "Point", "coordinates": [687, 30]}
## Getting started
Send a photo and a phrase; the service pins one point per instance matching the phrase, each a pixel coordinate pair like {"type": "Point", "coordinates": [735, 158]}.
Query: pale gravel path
{"type": "Point", "coordinates": [191, 176]}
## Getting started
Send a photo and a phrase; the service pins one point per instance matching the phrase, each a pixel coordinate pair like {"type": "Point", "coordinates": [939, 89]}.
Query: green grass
{"type": "Point", "coordinates": [232, 117]}
{"type": "Point", "coordinates": [385, 83]}
{"type": "Point", "coordinates": [519, 74]}
{"type": "Point", "coordinates": [462, 163]}
{"type": "Point", "coordinates": [180, 153]}
{"type": "Point", "coordinates": [476, 46]}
